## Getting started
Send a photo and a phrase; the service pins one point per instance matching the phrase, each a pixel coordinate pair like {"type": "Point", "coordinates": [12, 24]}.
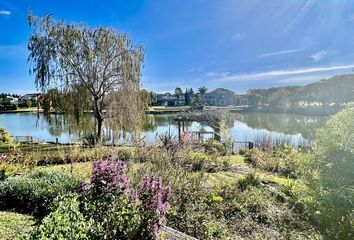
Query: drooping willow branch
{"type": "Point", "coordinates": [90, 69]}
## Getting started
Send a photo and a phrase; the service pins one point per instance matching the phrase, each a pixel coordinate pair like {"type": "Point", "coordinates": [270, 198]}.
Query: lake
{"type": "Point", "coordinates": [241, 126]}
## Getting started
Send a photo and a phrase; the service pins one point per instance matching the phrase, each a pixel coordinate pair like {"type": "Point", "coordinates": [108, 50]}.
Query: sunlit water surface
{"type": "Point", "coordinates": [241, 127]}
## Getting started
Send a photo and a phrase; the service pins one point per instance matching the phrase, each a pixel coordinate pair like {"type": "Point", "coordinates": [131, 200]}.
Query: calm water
{"type": "Point", "coordinates": [243, 127]}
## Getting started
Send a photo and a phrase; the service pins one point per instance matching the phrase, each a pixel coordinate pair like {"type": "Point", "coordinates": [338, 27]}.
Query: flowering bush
{"type": "Point", "coordinates": [109, 176]}
{"type": "Point", "coordinates": [112, 207]}
{"type": "Point", "coordinates": [154, 197]}
{"type": "Point", "coordinates": [121, 211]}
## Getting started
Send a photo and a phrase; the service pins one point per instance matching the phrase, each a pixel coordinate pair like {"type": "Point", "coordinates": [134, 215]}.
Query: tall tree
{"type": "Point", "coordinates": [94, 68]}
{"type": "Point", "coordinates": [153, 98]}
{"type": "Point", "coordinates": [202, 91]}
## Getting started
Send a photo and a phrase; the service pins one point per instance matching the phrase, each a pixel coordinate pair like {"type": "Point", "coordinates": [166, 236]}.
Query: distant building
{"type": "Point", "coordinates": [167, 99]}
{"type": "Point", "coordinates": [219, 97]}
{"type": "Point", "coordinates": [10, 99]}
{"type": "Point", "coordinates": [33, 97]}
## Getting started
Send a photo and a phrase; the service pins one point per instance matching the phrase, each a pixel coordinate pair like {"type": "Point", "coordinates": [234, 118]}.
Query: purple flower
{"type": "Point", "coordinates": [109, 176]}
{"type": "Point", "coordinates": [154, 197]}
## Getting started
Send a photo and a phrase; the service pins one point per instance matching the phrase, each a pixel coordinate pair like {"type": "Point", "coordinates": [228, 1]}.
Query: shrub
{"type": "Point", "coordinates": [285, 160]}
{"type": "Point", "coordinates": [125, 153]}
{"type": "Point", "coordinates": [331, 180]}
{"type": "Point", "coordinates": [198, 161]}
{"type": "Point", "coordinates": [34, 192]}
{"type": "Point", "coordinates": [251, 179]}
{"type": "Point", "coordinates": [120, 211]}
{"type": "Point", "coordinates": [108, 208]}
{"type": "Point", "coordinates": [243, 151]}
{"type": "Point", "coordinates": [66, 222]}
{"type": "Point", "coordinates": [214, 147]}
{"type": "Point", "coordinates": [4, 136]}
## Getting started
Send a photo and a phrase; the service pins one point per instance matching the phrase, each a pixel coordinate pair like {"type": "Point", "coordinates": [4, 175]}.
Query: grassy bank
{"type": "Point", "coordinates": [22, 110]}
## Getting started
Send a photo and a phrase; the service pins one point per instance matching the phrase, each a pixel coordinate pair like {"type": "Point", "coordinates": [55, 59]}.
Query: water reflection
{"type": "Point", "coordinates": [243, 127]}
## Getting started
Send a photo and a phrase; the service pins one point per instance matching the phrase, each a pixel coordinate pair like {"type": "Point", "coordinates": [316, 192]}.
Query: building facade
{"type": "Point", "coordinates": [219, 97]}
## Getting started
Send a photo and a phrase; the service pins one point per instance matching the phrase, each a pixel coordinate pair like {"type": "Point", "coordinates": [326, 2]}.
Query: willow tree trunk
{"type": "Point", "coordinates": [99, 120]}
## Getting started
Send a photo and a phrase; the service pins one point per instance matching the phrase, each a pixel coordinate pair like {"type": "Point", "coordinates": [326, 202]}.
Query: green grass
{"type": "Point", "coordinates": [24, 109]}
{"type": "Point", "coordinates": [235, 160]}
{"type": "Point", "coordinates": [80, 170]}
{"type": "Point", "coordinates": [28, 147]}
{"type": "Point", "coordinates": [224, 107]}
{"type": "Point", "coordinates": [165, 108]}
{"type": "Point", "coordinates": [219, 179]}
{"type": "Point", "coordinates": [14, 225]}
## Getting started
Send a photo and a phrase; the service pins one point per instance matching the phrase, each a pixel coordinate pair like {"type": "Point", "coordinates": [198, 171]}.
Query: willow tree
{"type": "Point", "coordinates": [95, 69]}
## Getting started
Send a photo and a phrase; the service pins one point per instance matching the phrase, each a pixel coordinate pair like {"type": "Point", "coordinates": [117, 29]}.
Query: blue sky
{"type": "Point", "coordinates": [236, 44]}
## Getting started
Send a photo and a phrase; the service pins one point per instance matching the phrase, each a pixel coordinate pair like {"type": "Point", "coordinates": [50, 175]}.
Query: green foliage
{"type": "Point", "coordinates": [337, 90]}
{"type": "Point", "coordinates": [66, 222]}
{"type": "Point", "coordinates": [15, 226]}
{"type": "Point", "coordinates": [208, 163]}
{"type": "Point", "coordinates": [61, 54]}
{"type": "Point", "coordinates": [7, 106]}
{"type": "Point", "coordinates": [251, 179]}
{"type": "Point", "coordinates": [331, 180]}
{"type": "Point", "coordinates": [34, 192]}
{"type": "Point", "coordinates": [214, 147]}
{"type": "Point", "coordinates": [125, 153]}
{"type": "Point", "coordinates": [257, 211]}
{"type": "Point", "coordinates": [108, 208]}
{"type": "Point", "coordinates": [115, 217]}
{"type": "Point", "coordinates": [285, 161]}
{"type": "Point", "coordinates": [197, 102]}
{"type": "Point", "coordinates": [4, 136]}
{"type": "Point", "coordinates": [243, 151]}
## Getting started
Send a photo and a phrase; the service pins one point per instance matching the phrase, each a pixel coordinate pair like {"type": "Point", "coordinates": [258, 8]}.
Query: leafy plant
{"type": "Point", "coordinates": [330, 179]}
{"type": "Point", "coordinates": [34, 192]}
{"type": "Point", "coordinates": [4, 136]}
{"type": "Point", "coordinates": [251, 179]}
{"type": "Point", "coordinates": [66, 222]}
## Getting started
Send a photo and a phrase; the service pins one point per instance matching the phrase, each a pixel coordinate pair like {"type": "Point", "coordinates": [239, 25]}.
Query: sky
{"type": "Point", "coordinates": [235, 44]}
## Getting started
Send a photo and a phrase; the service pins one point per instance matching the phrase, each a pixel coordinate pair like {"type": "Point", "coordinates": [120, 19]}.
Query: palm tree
{"type": "Point", "coordinates": [202, 91]}
{"type": "Point", "coordinates": [178, 92]}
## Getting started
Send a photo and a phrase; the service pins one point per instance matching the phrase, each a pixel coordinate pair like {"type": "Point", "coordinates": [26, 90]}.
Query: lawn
{"type": "Point", "coordinates": [166, 108]}
{"type": "Point", "coordinates": [80, 170]}
{"type": "Point", "coordinates": [14, 225]}
{"type": "Point", "coordinates": [28, 147]}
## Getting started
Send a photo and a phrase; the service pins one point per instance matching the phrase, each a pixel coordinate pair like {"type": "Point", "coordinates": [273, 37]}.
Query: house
{"type": "Point", "coordinates": [219, 97]}
{"type": "Point", "coordinates": [33, 97]}
{"type": "Point", "coordinates": [167, 99]}
{"type": "Point", "coordinates": [10, 99]}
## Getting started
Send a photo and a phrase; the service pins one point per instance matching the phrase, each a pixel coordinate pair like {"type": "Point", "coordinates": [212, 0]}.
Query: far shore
{"type": "Point", "coordinates": [313, 111]}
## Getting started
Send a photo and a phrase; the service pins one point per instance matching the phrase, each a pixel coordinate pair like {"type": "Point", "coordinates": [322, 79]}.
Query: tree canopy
{"type": "Point", "coordinates": [94, 69]}
{"type": "Point", "coordinates": [336, 90]}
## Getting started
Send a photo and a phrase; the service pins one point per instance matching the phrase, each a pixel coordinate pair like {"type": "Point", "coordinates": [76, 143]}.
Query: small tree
{"type": "Point", "coordinates": [93, 68]}
{"type": "Point", "coordinates": [29, 103]}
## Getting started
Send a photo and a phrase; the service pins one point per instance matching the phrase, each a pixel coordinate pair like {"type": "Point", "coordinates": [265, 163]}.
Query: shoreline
{"type": "Point", "coordinates": [309, 111]}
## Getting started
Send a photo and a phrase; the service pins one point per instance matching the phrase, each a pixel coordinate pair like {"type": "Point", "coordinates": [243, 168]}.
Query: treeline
{"type": "Point", "coordinates": [337, 90]}
{"type": "Point", "coordinates": [4, 95]}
